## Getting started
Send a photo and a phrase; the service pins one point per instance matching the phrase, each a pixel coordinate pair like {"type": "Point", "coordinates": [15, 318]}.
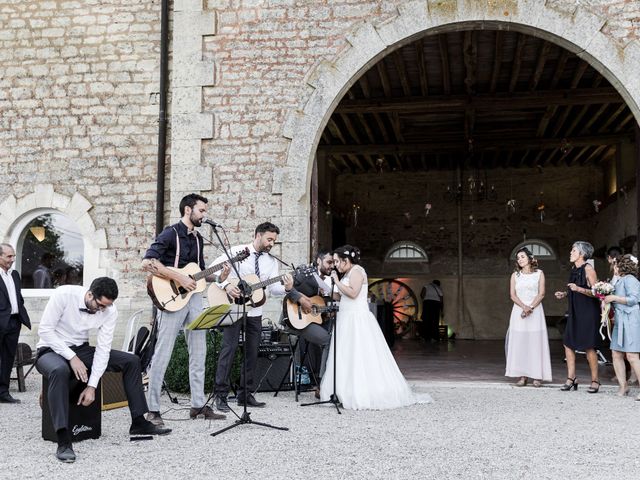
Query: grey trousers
{"type": "Point", "coordinates": [318, 335]}
{"type": "Point", "coordinates": [57, 370]}
{"type": "Point", "coordinates": [170, 325]}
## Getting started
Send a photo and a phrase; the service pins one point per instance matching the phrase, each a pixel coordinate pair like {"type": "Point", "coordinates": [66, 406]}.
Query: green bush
{"type": "Point", "coordinates": [177, 375]}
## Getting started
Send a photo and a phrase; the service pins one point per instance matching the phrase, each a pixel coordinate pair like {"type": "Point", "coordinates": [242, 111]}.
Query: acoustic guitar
{"type": "Point", "coordinates": [169, 296]}
{"type": "Point", "coordinates": [251, 287]}
{"type": "Point", "coordinates": [298, 319]}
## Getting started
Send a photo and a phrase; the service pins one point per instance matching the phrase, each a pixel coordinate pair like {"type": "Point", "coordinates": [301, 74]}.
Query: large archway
{"type": "Point", "coordinates": [357, 149]}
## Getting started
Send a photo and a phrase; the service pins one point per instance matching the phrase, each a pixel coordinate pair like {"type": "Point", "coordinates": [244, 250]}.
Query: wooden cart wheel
{"type": "Point", "coordinates": [404, 302]}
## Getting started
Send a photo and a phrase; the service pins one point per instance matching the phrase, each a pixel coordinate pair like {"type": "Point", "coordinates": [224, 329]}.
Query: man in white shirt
{"type": "Point", "coordinates": [12, 316]}
{"type": "Point", "coordinates": [265, 266]}
{"type": "Point", "coordinates": [63, 350]}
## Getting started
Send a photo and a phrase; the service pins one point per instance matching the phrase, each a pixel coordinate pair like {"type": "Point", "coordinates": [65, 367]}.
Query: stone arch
{"type": "Point", "coordinates": [15, 212]}
{"type": "Point", "coordinates": [577, 30]}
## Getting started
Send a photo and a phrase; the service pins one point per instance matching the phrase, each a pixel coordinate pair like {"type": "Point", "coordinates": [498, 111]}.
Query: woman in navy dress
{"type": "Point", "coordinates": [583, 321]}
{"type": "Point", "coordinates": [625, 338]}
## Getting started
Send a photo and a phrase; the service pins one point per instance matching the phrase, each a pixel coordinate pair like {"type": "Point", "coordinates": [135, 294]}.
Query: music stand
{"type": "Point", "coordinates": [212, 317]}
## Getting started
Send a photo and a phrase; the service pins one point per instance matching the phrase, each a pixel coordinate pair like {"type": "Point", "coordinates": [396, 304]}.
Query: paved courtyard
{"type": "Point", "coordinates": [484, 428]}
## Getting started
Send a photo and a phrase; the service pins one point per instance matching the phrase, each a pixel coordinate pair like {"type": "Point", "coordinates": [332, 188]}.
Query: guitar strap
{"type": "Point", "coordinates": [281, 261]}
{"type": "Point", "coordinates": [175, 263]}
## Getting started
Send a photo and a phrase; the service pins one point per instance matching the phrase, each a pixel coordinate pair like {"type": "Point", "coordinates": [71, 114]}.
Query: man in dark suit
{"type": "Point", "coordinates": [12, 316]}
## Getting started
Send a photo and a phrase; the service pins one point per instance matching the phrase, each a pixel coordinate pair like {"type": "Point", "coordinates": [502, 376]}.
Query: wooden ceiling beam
{"type": "Point", "coordinates": [499, 101]}
{"type": "Point", "coordinates": [350, 128]}
{"type": "Point", "coordinates": [422, 68]}
{"type": "Point", "coordinates": [613, 117]}
{"type": "Point", "coordinates": [384, 78]}
{"type": "Point", "coordinates": [517, 62]}
{"type": "Point", "coordinates": [557, 74]}
{"type": "Point", "coordinates": [497, 61]}
{"type": "Point", "coordinates": [542, 59]}
{"type": "Point", "coordinates": [444, 60]}
{"type": "Point", "coordinates": [470, 55]}
{"type": "Point", "coordinates": [480, 144]}
{"type": "Point", "coordinates": [402, 73]}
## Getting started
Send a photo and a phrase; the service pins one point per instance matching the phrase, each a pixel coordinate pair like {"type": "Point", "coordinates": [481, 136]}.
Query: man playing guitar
{"type": "Point", "coordinates": [304, 287]}
{"type": "Point", "coordinates": [265, 266]}
{"type": "Point", "coordinates": [176, 246]}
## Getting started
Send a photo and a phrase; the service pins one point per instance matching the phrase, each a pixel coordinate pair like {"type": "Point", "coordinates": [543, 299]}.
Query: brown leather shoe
{"type": "Point", "coordinates": [205, 412]}
{"type": "Point", "coordinates": [316, 392]}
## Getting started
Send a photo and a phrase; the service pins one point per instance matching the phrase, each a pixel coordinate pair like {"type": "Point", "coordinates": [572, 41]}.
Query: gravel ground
{"type": "Point", "coordinates": [472, 430]}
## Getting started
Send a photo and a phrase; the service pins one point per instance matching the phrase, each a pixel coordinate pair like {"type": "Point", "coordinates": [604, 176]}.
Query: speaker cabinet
{"type": "Point", "coordinates": [84, 422]}
{"type": "Point", "coordinates": [273, 366]}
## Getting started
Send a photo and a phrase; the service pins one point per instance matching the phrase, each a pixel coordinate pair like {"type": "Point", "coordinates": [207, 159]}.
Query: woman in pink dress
{"type": "Point", "coordinates": [527, 343]}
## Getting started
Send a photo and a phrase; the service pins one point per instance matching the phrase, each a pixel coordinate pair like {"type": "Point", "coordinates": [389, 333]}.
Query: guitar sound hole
{"type": "Point", "coordinates": [176, 289]}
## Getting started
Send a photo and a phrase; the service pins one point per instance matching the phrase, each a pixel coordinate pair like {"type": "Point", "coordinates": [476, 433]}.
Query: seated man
{"type": "Point", "coordinates": [63, 350]}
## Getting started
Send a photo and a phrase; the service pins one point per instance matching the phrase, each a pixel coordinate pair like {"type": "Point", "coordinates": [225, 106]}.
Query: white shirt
{"type": "Point", "coordinates": [63, 325]}
{"type": "Point", "coordinates": [11, 288]}
{"type": "Point", "coordinates": [268, 269]}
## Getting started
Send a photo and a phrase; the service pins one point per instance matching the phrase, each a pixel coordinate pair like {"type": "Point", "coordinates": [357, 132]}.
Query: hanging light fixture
{"type": "Point", "coordinates": [38, 232]}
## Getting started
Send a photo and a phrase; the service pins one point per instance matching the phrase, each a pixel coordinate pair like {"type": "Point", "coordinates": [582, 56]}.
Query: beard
{"type": "Point", "coordinates": [196, 222]}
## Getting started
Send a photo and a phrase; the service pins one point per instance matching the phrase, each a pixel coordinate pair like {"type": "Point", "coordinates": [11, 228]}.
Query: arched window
{"type": "Point", "coordinates": [50, 251]}
{"type": "Point", "coordinates": [541, 250]}
{"type": "Point", "coordinates": [406, 252]}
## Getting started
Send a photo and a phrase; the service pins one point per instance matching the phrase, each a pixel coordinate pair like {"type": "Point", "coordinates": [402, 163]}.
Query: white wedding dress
{"type": "Point", "coordinates": [367, 376]}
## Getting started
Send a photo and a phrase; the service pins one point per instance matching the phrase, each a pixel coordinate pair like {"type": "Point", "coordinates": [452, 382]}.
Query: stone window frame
{"type": "Point", "coordinates": [533, 245]}
{"type": "Point", "coordinates": [16, 213]}
{"type": "Point", "coordinates": [406, 245]}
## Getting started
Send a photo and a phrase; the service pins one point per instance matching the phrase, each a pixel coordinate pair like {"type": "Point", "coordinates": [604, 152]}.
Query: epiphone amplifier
{"type": "Point", "coordinates": [84, 422]}
{"type": "Point", "coordinates": [273, 366]}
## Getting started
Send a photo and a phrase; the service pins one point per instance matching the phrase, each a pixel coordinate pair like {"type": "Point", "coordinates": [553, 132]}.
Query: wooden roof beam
{"type": "Point", "coordinates": [384, 78]}
{"type": "Point", "coordinates": [402, 73]}
{"type": "Point", "coordinates": [470, 54]}
{"type": "Point", "coordinates": [492, 102]}
{"type": "Point", "coordinates": [422, 68]}
{"type": "Point", "coordinates": [517, 62]}
{"type": "Point", "coordinates": [542, 59]}
{"type": "Point", "coordinates": [497, 61]}
{"type": "Point", "coordinates": [444, 59]}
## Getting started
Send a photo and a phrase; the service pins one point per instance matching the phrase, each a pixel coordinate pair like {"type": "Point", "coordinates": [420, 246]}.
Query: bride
{"type": "Point", "coordinates": [367, 376]}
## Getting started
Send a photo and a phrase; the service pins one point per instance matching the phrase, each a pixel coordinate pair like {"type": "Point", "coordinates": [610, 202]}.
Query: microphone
{"type": "Point", "coordinates": [212, 223]}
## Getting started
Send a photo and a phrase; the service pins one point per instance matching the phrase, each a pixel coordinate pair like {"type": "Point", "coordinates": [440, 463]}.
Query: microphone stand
{"type": "Point", "coordinates": [246, 292]}
{"type": "Point", "coordinates": [333, 398]}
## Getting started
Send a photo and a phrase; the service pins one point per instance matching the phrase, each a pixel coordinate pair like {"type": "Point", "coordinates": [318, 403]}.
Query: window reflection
{"type": "Point", "coordinates": [51, 252]}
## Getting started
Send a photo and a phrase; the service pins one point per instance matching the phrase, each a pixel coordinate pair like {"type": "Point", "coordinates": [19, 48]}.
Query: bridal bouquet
{"type": "Point", "coordinates": [601, 290]}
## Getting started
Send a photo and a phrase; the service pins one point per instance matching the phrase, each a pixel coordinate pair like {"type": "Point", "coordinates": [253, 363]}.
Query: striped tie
{"type": "Point", "coordinates": [258, 263]}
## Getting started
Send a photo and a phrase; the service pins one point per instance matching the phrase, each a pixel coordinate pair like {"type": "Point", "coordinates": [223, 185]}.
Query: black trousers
{"type": "Point", "coordinates": [57, 370]}
{"type": "Point", "coordinates": [430, 319]}
{"type": "Point", "coordinates": [8, 346]}
{"type": "Point", "coordinates": [230, 339]}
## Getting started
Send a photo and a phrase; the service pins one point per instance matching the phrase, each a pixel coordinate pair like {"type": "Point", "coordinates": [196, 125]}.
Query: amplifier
{"type": "Point", "coordinates": [273, 366]}
{"type": "Point", "coordinates": [113, 394]}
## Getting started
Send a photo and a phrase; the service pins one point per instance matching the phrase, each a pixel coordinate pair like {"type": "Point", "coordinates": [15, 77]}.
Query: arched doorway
{"type": "Point", "coordinates": [420, 116]}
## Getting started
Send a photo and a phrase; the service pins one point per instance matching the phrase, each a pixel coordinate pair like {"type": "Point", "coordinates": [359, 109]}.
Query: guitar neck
{"type": "Point", "coordinates": [266, 283]}
{"type": "Point", "coordinates": [211, 269]}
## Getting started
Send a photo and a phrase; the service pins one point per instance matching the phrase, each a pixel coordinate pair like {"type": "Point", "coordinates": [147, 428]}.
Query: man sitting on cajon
{"type": "Point", "coordinates": [63, 350]}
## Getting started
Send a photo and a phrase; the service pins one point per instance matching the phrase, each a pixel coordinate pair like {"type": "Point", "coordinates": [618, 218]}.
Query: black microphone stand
{"type": "Point", "coordinates": [333, 399]}
{"type": "Point", "coordinates": [245, 290]}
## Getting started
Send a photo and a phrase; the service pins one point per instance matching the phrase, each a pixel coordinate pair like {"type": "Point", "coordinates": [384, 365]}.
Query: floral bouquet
{"type": "Point", "coordinates": [601, 290]}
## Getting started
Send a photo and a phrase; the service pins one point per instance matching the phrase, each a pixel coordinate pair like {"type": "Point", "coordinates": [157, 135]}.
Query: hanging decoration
{"type": "Point", "coordinates": [380, 165]}
{"type": "Point", "coordinates": [472, 220]}
{"type": "Point", "coordinates": [540, 207]}
{"type": "Point", "coordinates": [427, 209]}
{"type": "Point", "coordinates": [355, 209]}
{"type": "Point", "coordinates": [511, 205]}
{"type": "Point", "coordinates": [596, 205]}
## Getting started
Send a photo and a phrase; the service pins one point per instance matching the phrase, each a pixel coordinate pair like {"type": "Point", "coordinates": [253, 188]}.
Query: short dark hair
{"type": "Point", "coordinates": [266, 227]}
{"type": "Point", "coordinates": [104, 287]}
{"type": "Point", "coordinates": [350, 252]}
{"type": "Point", "coordinates": [321, 253]}
{"type": "Point", "coordinates": [190, 201]}
{"type": "Point", "coordinates": [436, 282]}
{"type": "Point", "coordinates": [614, 252]}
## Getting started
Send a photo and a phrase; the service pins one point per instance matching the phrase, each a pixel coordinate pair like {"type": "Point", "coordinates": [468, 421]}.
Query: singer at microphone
{"type": "Point", "coordinates": [212, 223]}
